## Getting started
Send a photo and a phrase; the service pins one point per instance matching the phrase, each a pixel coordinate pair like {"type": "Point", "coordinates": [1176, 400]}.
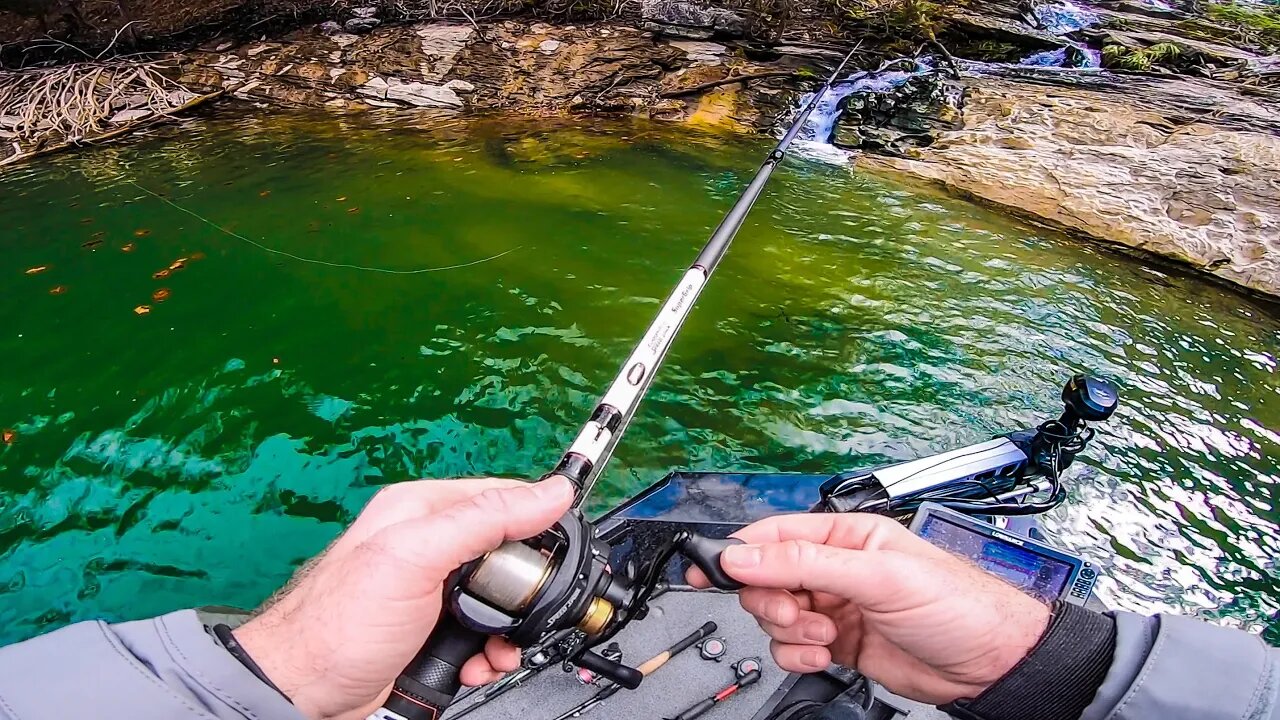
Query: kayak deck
{"type": "Point", "coordinates": [683, 681]}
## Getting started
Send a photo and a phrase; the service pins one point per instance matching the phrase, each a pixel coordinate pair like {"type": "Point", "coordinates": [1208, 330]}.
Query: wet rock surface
{"type": "Point", "coordinates": [514, 65]}
{"type": "Point", "coordinates": [1182, 168]}
{"type": "Point", "coordinates": [682, 18]}
{"type": "Point", "coordinates": [910, 115]}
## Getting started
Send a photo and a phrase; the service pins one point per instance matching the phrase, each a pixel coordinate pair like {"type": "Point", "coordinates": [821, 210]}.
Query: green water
{"type": "Point", "coordinates": [195, 454]}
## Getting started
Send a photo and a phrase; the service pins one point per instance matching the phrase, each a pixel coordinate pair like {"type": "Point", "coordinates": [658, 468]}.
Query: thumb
{"type": "Point", "coordinates": [867, 578]}
{"type": "Point", "coordinates": [441, 543]}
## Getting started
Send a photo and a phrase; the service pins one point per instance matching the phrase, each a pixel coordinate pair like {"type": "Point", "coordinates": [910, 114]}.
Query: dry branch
{"type": "Point", "coordinates": [694, 90]}
{"type": "Point", "coordinates": [45, 110]}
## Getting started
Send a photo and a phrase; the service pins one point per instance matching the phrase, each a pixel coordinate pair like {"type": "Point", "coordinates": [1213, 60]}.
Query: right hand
{"type": "Point", "coordinates": [863, 591]}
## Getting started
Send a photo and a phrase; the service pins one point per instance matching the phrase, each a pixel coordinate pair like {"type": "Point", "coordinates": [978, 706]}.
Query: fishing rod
{"type": "Point", "coordinates": [748, 674]}
{"type": "Point", "coordinates": [498, 689]}
{"type": "Point", "coordinates": [646, 669]}
{"type": "Point", "coordinates": [540, 591]}
{"type": "Point", "coordinates": [512, 681]}
{"type": "Point", "coordinates": [586, 457]}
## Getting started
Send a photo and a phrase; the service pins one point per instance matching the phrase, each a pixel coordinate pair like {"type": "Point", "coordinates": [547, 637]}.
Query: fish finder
{"type": "Point", "coordinates": [1045, 573]}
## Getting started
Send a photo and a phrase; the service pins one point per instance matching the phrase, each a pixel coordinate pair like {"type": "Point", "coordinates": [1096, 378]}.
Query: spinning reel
{"type": "Point", "coordinates": [553, 593]}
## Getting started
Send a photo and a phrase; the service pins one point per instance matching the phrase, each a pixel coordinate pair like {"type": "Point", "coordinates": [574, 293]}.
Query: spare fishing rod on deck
{"type": "Point", "coordinates": [551, 589]}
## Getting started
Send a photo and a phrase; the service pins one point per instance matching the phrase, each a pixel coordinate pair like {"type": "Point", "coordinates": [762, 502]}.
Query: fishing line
{"type": "Point", "coordinates": [315, 261]}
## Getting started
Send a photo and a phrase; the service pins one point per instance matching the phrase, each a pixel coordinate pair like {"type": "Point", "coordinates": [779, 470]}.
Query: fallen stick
{"type": "Point", "coordinates": [731, 80]}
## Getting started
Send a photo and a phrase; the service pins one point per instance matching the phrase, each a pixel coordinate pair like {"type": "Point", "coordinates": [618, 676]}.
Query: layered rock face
{"type": "Point", "coordinates": [512, 65]}
{"type": "Point", "coordinates": [1189, 170]}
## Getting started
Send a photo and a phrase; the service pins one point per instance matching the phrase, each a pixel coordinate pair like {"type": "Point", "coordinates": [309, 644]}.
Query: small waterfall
{"type": "Point", "coordinates": [1063, 16]}
{"type": "Point", "coordinates": [822, 121]}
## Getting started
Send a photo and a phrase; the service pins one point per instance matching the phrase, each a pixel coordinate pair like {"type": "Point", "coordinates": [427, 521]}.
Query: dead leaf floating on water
{"type": "Point", "coordinates": [178, 264]}
{"type": "Point", "coordinates": [161, 274]}
{"type": "Point", "coordinates": [161, 295]}
{"type": "Point", "coordinates": [37, 269]}
{"type": "Point", "coordinates": [57, 289]}
{"type": "Point", "coordinates": [353, 210]}
{"type": "Point", "coordinates": [142, 310]}
{"type": "Point", "coordinates": [264, 193]}
{"type": "Point", "coordinates": [100, 233]}
{"type": "Point", "coordinates": [8, 435]}
{"type": "Point", "coordinates": [85, 221]}
{"type": "Point", "coordinates": [341, 199]}
{"type": "Point", "coordinates": [141, 232]}
{"type": "Point", "coordinates": [127, 247]}
{"type": "Point", "coordinates": [91, 244]}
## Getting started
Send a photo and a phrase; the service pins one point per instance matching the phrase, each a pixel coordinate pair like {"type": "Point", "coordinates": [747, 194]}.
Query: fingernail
{"type": "Point", "coordinates": [553, 489]}
{"type": "Point", "coordinates": [816, 631]}
{"type": "Point", "coordinates": [812, 658]}
{"type": "Point", "coordinates": [774, 612]}
{"type": "Point", "coordinates": [741, 556]}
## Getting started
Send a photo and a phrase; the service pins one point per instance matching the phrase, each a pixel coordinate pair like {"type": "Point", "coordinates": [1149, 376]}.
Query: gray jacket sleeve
{"type": "Point", "coordinates": [1176, 668]}
{"type": "Point", "coordinates": [162, 668]}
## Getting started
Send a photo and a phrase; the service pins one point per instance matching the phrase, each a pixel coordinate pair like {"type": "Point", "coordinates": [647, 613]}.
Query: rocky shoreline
{"type": "Point", "coordinates": [1187, 169]}
{"type": "Point", "coordinates": [513, 65]}
{"type": "Point", "coordinates": [1181, 163]}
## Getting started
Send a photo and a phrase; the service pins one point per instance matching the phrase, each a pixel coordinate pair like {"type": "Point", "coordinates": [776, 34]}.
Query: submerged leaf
{"type": "Point", "coordinates": [142, 310]}
{"type": "Point", "coordinates": [161, 274]}
{"type": "Point", "coordinates": [57, 289]}
{"type": "Point", "coordinates": [197, 255]}
{"type": "Point", "coordinates": [85, 221]}
{"type": "Point", "coordinates": [161, 295]}
{"type": "Point", "coordinates": [93, 243]}
{"type": "Point", "coordinates": [127, 247]}
{"type": "Point", "coordinates": [264, 193]}
{"type": "Point", "coordinates": [8, 435]}
{"type": "Point", "coordinates": [353, 210]}
{"type": "Point", "coordinates": [141, 232]}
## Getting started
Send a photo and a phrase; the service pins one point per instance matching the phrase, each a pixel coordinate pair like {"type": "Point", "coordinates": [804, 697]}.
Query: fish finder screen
{"type": "Point", "coordinates": [1041, 577]}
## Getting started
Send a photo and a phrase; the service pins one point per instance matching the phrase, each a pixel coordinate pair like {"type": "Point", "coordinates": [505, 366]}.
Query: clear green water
{"type": "Point", "coordinates": [195, 454]}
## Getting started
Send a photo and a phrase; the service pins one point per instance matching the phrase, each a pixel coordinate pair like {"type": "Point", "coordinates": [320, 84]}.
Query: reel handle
{"type": "Point", "coordinates": [704, 552]}
{"type": "Point", "coordinates": [623, 675]}
{"type": "Point", "coordinates": [427, 685]}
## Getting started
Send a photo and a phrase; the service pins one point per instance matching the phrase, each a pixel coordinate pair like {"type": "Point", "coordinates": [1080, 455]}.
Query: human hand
{"type": "Point", "coordinates": [863, 591]}
{"type": "Point", "coordinates": [337, 635]}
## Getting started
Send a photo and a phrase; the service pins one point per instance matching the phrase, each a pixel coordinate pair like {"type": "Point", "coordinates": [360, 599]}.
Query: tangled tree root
{"type": "Point", "coordinates": [46, 110]}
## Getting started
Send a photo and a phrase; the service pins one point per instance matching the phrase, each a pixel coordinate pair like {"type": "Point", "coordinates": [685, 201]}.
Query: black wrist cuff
{"type": "Point", "coordinates": [1059, 677]}
{"type": "Point", "coordinates": [228, 639]}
